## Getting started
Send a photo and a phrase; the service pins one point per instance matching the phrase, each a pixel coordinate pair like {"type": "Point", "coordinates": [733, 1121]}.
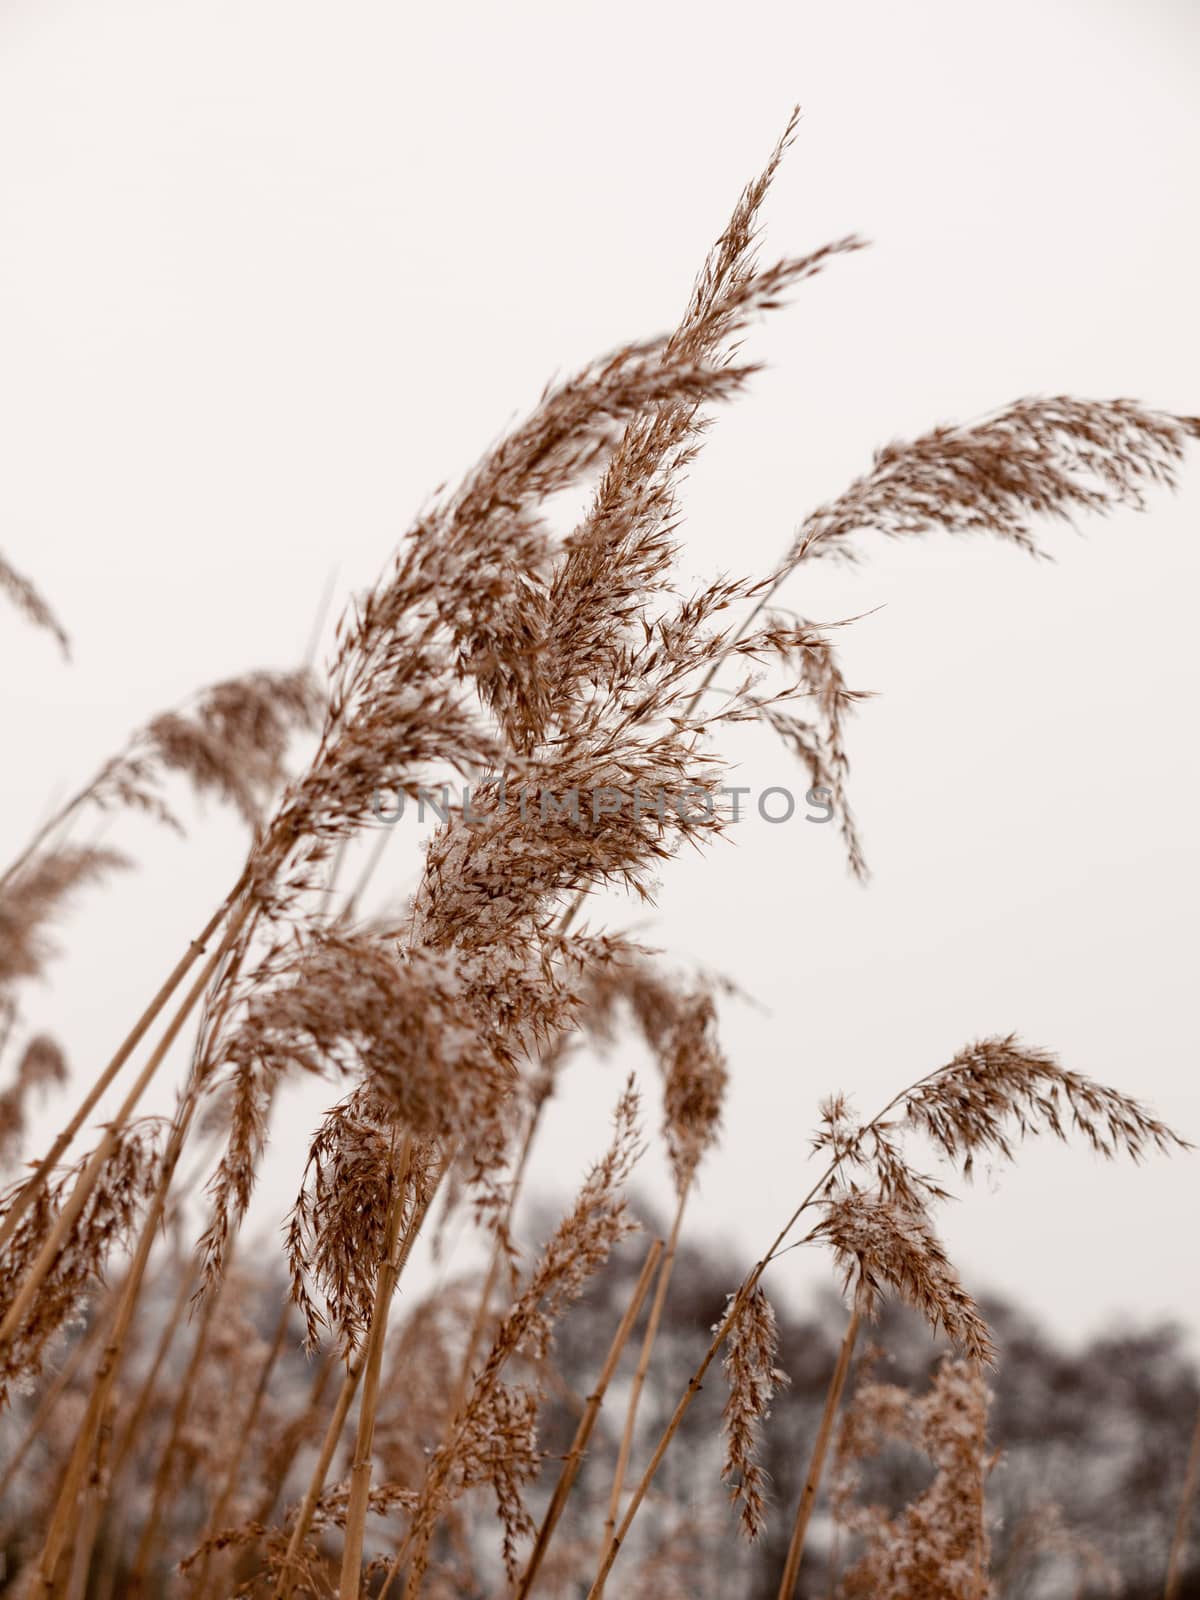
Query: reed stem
{"type": "Point", "coordinates": [587, 1423]}
{"type": "Point", "coordinates": [1179, 1540]}
{"type": "Point", "coordinates": [643, 1367]}
{"type": "Point", "coordinates": [360, 1475]}
{"type": "Point", "coordinates": [90, 1176]}
{"type": "Point", "coordinates": [816, 1466]}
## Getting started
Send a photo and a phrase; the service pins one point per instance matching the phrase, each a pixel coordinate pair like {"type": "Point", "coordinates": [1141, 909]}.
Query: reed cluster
{"type": "Point", "coordinates": [174, 1440]}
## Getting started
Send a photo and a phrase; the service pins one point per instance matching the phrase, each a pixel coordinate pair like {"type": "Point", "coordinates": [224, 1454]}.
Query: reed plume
{"type": "Point", "coordinates": [543, 669]}
{"type": "Point", "coordinates": [27, 600]}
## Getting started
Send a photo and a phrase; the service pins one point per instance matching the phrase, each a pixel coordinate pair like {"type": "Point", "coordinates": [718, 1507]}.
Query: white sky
{"type": "Point", "coordinates": [271, 271]}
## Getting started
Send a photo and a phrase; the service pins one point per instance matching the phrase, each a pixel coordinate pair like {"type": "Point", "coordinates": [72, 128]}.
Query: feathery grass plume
{"type": "Point", "coordinates": [885, 1229]}
{"type": "Point", "coordinates": [32, 897]}
{"type": "Point", "coordinates": [694, 1083]}
{"type": "Point", "coordinates": [879, 1243]}
{"type": "Point", "coordinates": [395, 709]}
{"type": "Point", "coordinates": [104, 1227]}
{"type": "Point", "coordinates": [998, 1086]}
{"type": "Point", "coordinates": [1035, 458]}
{"type": "Point", "coordinates": [495, 605]}
{"type": "Point", "coordinates": [937, 1548]}
{"type": "Point", "coordinates": [807, 654]}
{"type": "Point", "coordinates": [493, 1438]}
{"type": "Point", "coordinates": [332, 1003]}
{"type": "Point", "coordinates": [751, 1354]}
{"type": "Point", "coordinates": [557, 667]}
{"type": "Point", "coordinates": [991, 1094]}
{"type": "Point", "coordinates": [27, 599]}
{"type": "Point", "coordinates": [41, 1065]}
{"type": "Point", "coordinates": [678, 1022]}
{"type": "Point", "coordinates": [340, 1220]}
{"type": "Point", "coordinates": [231, 742]}
{"type": "Point", "coordinates": [501, 880]}
{"type": "Point", "coordinates": [625, 548]}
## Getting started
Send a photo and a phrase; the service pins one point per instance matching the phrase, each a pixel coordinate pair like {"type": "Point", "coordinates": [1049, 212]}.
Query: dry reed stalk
{"type": "Point", "coordinates": [105, 1576]}
{"type": "Point", "coordinates": [33, 1185]}
{"type": "Point", "coordinates": [95, 1500]}
{"type": "Point", "coordinates": [965, 1108]}
{"type": "Point", "coordinates": [131, 1435]}
{"type": "Point", "coordinates": [587, 1422]}
{"type": "Point", "coordinates": [287, 1574]}
{"type": "Point", "coordinates": [285, 1581]}
{"type": "Point", "coordinates": [643, 1367]}
{"type": "Point", "coordinates": [90, 1176]}
{"type": "Point", "coordinates": [579, 1246]}
{"type": "Point", "coordinates": [479, 1322]}
{"type": "Point", "coordinates": [242, 1438]}
{"type": "Point", "coordinates": [816, 1466]}
{"type": "Point", "coordinates": [360, 1472]}
{"type": "Point", "coordinates": [106, 1371]}
{"type": "Point", "coordinates": [165, 1469]}
{"type": "Point", "coordinates": [736, 1306]}
{"type": "Point", "coordinates": [1186, 1501]}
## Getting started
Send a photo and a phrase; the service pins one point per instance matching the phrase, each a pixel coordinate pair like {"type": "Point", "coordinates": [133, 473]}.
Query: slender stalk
{"type": "Point", "coordinates": [132, 1435]}
{"type": "Point", "coordinates": [242, 1438]}
{"type": "Point", "coordinates": [43, 832]}
{"type": "Point", "coordinates": [110, 1556]}
{"type": "Point", "coordinates": [749, 1283]}
{"type": "Point", "coordinates": [95, 1500]}
{"type": "Point", "coordinates": [29, 1190]}
{"type": "Point", "coordinates": [643, 1367]}
{"type": "Point", "coordinates": [1179, 1540]}
{"type": "Point", "coordinates": [587, 1423]}
{"type": "Point", "coordinates": [360, 1475]}
{"type": "Point", "coordinates": [833, 1398]}
{"type": "Point", "coordinates": [164, 1474]}
{"type": "Point", "coordinates": [485, 1299]}
{"type": "Point", "coordinates": [285, 1583]}
{"type": "Point", "coordinates": [90, 1176]}
{"type": "Point", "coordinates": [106, 1371]}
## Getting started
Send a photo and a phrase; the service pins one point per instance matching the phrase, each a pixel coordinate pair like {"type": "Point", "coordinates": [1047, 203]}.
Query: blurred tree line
{"type": "Point", "coordinates": [1092, 1444]}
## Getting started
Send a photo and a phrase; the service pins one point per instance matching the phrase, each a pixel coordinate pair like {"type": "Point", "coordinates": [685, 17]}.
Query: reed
{"type": "Point", "coordinates": [534, 665]}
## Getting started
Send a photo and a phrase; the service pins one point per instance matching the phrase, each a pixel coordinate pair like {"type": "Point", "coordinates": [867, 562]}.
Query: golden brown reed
{"type": "Point", "coordinates": [534, 666]}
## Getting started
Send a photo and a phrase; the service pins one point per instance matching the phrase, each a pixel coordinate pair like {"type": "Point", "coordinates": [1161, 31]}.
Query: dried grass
{"type": "Point", "coordinates": [532, 665]}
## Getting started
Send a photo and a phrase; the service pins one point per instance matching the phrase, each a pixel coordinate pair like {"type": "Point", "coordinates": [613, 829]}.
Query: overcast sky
{"type": "Point", "coordinates": [270, 272]}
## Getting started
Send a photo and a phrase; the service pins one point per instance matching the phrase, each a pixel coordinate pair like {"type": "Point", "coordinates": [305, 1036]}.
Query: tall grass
{"type": "Point", "coordinates": [532, 666]}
